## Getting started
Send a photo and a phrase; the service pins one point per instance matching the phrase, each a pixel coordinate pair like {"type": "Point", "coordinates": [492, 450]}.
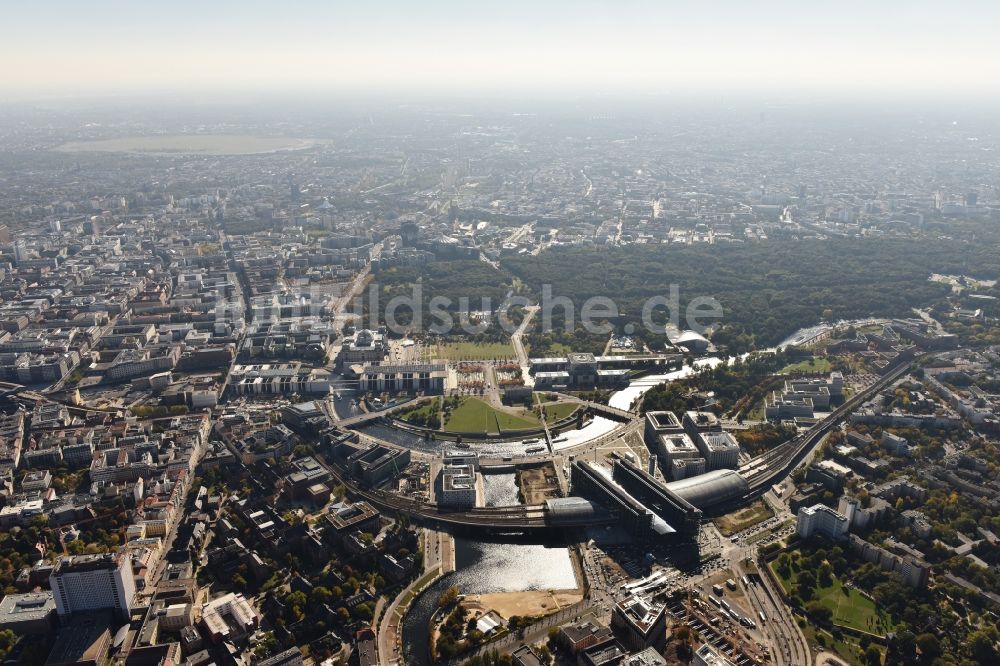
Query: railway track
{"type": "Point", "coordinates": [780, 461]}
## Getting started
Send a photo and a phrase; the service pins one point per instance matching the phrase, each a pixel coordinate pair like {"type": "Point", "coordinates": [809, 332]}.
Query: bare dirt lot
{"type": "Point", "coordinates": [541, 602]}
{"type": "Point", "coordinates": [537, 484]}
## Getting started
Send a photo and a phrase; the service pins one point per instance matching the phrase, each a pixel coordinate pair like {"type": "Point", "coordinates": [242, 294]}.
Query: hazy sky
{"type": "Point", "coordinates": [68, 47]}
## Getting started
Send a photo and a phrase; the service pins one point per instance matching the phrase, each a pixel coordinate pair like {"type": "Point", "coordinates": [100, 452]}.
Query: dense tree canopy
{"type": "Point", "coordinates": [767, 290]}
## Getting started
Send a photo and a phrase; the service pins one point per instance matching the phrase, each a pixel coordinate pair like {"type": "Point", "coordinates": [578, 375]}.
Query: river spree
{"type": "Point", "coordinates": [482, 567]}
{"type": "Point", "coordinates": [500, 489]}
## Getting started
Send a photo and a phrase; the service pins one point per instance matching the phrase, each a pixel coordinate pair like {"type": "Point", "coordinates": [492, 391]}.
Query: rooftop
{"type": "Point", "coordinates": [640, 612]}
{"type": "Point", "coordinates": [711, 656]}
{"type": "Point", "coordinates": [85, 639]}
{"type": "Point", "coordinates": [81, 563]}
{"type": "Point", "coordinates": [664, 419]}
{"type": "Point", "coordinates": [30, 606]}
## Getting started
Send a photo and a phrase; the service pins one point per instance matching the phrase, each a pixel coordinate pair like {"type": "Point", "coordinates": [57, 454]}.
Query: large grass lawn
{"type": "Point", "coordinates": [470, 351]}
{"type": "Point", "coordinates": [850, 608]}
{"type": "Point", "coordinates": [474, 415]}
{"type": "Point", "coordinates": [554, 411]}
{"type": "Point", "coordinates": [814, 364]}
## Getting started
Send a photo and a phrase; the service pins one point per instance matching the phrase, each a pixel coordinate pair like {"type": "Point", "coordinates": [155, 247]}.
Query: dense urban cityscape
{"type": "Point", "coordinates": [325, 380]}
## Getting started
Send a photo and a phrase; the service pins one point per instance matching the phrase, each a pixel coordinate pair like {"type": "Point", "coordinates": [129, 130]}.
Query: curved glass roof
{"type": "Point", "coordinates": [710, 488]}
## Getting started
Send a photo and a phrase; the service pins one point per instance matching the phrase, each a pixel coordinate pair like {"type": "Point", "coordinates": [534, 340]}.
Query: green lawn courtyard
{"type": "Point", "coordinates": [469, 351]}
{"type": "Point", "coordinates": [814, 364]}
{"type": "Point", "coordinates": [475, 415]}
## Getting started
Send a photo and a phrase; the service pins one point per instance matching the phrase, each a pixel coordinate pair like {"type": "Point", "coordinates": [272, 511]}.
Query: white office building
{"type": "Point", "coordinates": [679, 456]}
{"type": "Point", "coordinates": [456, 486]}
{"type": "Point", "coordinates": [93, 582]}
{"type": "Point", "coordinates": [821, 519]}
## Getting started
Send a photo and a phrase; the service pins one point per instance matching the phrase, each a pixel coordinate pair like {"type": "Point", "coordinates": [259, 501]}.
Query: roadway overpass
{"type": "Point", "coordinates": [598, 408]}
{"type": "Point", "coordinates": [502, 519]}
{"type": "Point", "coordinates": [365, 418]}
{"type": "Point", "coordinates": [23, 394]}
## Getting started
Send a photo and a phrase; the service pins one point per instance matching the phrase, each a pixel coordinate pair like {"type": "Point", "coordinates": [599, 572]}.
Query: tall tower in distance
{"type": "Point", "coordinates": [20, 252]}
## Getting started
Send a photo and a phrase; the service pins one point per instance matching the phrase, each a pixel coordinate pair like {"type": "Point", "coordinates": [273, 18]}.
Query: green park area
{"type": "Point", "coordinates": [425, 415]}
{"type": "Point", "coordinates": [470, 351]}
{"type": "Point", "coordinates": [823, 594]}
{"type": "Point", "coordinates": [475, 415]}
{"type": "Point", "coordinates": [844, 646]}
{"type": "Point", "coordinates": [814, 364]}
{"type": "Point", "coordinates": [556, 411]}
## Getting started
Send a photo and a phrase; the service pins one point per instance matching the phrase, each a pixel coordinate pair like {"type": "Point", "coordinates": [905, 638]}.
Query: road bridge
{"type": "Point", "coordinates": [365, 418]}
{"type": "Point", "coordinates": [502, 519]}
{"type": "Point", "coordinates": [30, 397]}
{"type": "Point", "coordinates": [598, 408]}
